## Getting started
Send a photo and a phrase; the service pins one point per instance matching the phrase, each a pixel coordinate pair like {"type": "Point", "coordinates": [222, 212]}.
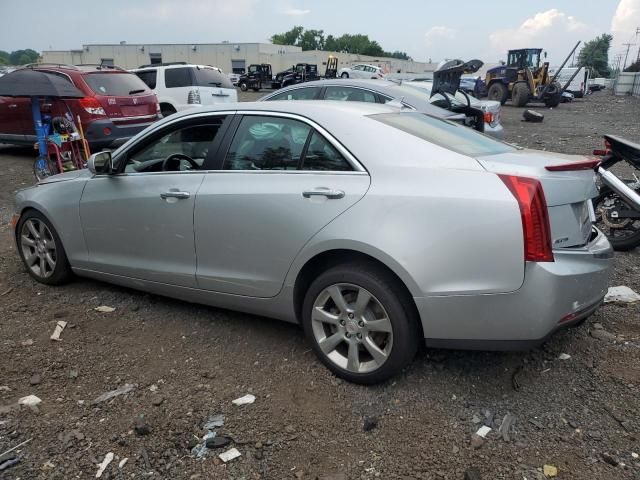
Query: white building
{"type": "Point", "coordinates": [229, 56]}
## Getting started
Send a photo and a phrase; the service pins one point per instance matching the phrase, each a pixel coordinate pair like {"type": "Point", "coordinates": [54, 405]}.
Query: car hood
{"type": "Point", "coordinates": [66, 176]}
{"type": "Point", "coordinates": [447, 77]}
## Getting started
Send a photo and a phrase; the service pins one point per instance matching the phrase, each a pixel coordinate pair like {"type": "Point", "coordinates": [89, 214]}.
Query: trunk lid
{"type": "Point", "coordinates": [123, 96]}
{"type": "Point", "coordinates": [446, 79]}
{"type": "Point", "coordinates": [568, 193]}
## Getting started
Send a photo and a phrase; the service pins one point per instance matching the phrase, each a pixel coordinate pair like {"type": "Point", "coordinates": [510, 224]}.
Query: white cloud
{"type": "Point", "coordinates": [297, 12]}
{"type": "Point", "coordinates": [553, 30]}
{"type": "Point", "coordinates": [438, 33]}
{"type": "Point", "coordinates": [624, 24]}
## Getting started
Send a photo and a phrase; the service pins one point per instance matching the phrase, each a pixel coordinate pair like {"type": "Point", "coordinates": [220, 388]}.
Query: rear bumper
{"type": "Point", "coordinates": [553, 295]}
{"type": "Point", "coordinates": [98, 139]}
{"type": "Point", "coordinates": [495, 132]}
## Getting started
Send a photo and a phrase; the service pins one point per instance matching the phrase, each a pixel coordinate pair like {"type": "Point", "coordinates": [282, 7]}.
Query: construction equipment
{"type": "Point", "coordinates": [332, 67]}
{"type": "Point", "coordinates": [257, 77]}
{"type": "Point", "coordinates": [524, 79]}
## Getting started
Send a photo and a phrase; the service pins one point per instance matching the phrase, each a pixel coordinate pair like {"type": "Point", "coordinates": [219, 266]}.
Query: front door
{"type": "Point", "coordinates": [138, 223]}
{"type": "Point", "coordinates": [281, 182]}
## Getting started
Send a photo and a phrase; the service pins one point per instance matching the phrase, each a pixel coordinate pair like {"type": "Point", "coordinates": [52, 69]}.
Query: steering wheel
{"type": "Point", "coordinates": [172, 161]}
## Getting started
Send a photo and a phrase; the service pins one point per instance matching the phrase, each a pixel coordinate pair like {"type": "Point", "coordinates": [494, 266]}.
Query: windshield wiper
{"type": "Point", "coordinates": [133, 92]}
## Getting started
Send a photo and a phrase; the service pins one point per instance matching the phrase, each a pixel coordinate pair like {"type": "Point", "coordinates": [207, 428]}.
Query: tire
{"type": "Point", "coordinates": [520, 94]}
{"type": "Point", "coordinates": [167, 110]}
{"type": "Point", "coordinates": [498, 92]}
{"type": "Point", "coordinates": [343, 334]}
{"type": "Point", "coordinates": [244, 87]}
{"type": "Point", "coordinates": [621, 243]}
{"type": "Point", "coordinates": [553, 95]}
{"type": "Point", "coordinates": [39, 246]}
{"type": "Point", "coordinates": [344, 75]}
{"type": "Point", "coordinates": [532, 116]}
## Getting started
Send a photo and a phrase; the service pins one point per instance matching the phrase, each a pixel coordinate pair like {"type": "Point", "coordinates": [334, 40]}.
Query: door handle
{"type": "Point", "coordinates": [175, 194]}
{"type": "Point", "coordinates": [323, 192]}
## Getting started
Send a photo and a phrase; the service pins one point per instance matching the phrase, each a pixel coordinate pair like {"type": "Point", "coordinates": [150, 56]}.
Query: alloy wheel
{"type": "Point", "coordinates": [38, 248]}
{"type": "Point", "coordinates": [352, 328]}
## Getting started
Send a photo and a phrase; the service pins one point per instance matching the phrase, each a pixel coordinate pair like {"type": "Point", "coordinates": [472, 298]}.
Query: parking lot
{"type": "Point", "coordinates": [188, 362]}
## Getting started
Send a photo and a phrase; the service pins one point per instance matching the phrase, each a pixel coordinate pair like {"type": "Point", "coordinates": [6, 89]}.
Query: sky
{"type": "Point", "coordinates": [425, 29]}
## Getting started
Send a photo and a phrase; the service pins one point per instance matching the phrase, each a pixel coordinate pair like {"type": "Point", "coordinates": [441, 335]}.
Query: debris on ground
{"type": "Point", "coordinates": [506, 426]}
{"type": "Point", "coordinates": [108, 458]}
{"type": "Point", "coordinates": [370, 423]}
{"type": "Point", "coordinates": [246, 400]}
{"type": "Point", "coordinates": [229, 455]}
{"type": "Point", "coordinates": [27, 343]}
{"type": "Point", "coordinates": [141, 427]}
{"type": "Point", "coordinates": [532, 116]}
{"type": "Point", "coordinates": [217, 442]}
{"type": "Point", "coordinates": [30, 401]}
{"type": "Point", "coordinates": [550, 471]}
{"type": "Point", "coordinates": [483, 430]}
{"type": "Point", "coordinates": [477, 441]}
{"type": "Point", "coordinates": [126, 388]}
{"type": "Point", "coordinates": [14, 448]}
{"type": "Point", "coordinates": [564, 356]}
{"type": "Point", "coordinates": [214, 422]}
{"type": "Point", "coordinates": [104, 309]}
{"type": "Point", "coordinates": [123, 462]}
{"type": "Point", "coordinates": [472, 474]}
{"type": "Point", "coordinates": [60, 324]}
{"type": "Point", "coordinates": [6, 292]}
{"type": "Point", "coordinates": [8, 463]}
{"type": "Point", "coordinates": [610, 459]}
{"type": "Point", "coordinates": [621, 294]}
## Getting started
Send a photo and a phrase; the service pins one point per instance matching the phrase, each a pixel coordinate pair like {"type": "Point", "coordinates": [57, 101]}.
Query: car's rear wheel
{"type": "Point", "coordinates": [41, 249]}
{"type": "Point", "coordinates": [244, 87]}
{"type": "Point", "coordinates": [167, 110]}
{"type": "Point", "coordinates": [360, 323]}
{"type": "Point", "coordinates": [344, 75]}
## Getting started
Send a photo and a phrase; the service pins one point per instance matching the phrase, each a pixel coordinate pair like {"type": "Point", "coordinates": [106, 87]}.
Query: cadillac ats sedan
{"type": "Point", "coordinates": [376, 228]}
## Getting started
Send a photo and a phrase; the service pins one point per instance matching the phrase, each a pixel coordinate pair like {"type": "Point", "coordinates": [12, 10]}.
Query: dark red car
{"type": "Point", "coordinates": [117, 106]}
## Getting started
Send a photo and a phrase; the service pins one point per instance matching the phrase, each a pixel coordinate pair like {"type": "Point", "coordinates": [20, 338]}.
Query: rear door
{"type": "Point", "coordinates": [282, 179]}
{"type": "Point", "coordinates": [124, 97]}
{"type": "Point", "coordinates": [15, 117]}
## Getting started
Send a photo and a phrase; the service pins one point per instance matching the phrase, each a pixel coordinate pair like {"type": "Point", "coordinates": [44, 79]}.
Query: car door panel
{"type": "Point", "coordinates": [130, 230]}
{"type": "Point", "coordinates": [251, 225]}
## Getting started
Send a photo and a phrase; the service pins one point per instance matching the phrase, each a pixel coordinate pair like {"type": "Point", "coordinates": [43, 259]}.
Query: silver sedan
{"type": "Point", "coordinates": [374, 227]}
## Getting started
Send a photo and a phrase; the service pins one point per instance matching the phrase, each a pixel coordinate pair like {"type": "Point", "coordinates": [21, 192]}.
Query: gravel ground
{"type": "Point", "coordinates": [188, 362]}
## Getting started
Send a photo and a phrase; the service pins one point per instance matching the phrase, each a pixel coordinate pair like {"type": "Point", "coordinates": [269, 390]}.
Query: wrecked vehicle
{"type": "Point", "coordinates": [299, 73]}
{"type": "Point", "coordinates": [340, 216]}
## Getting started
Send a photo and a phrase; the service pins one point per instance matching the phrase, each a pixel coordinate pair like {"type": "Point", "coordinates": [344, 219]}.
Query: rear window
{"type": "Point", "coordinates": [148, 77]}
{"type": "Point", "coordinates": [208, 77]}
{"type": "Point", "coordinates": [115, 84]}
{"type": "Point", "coordinates": [177, 77]}
{"type": "Point", "coordinates": [451, 136]}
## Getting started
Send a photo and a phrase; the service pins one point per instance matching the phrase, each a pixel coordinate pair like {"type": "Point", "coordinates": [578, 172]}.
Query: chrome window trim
{"type": "Point", "coordinates": [141, 117]}
{"type": "Point", "coordinates": [353, 161]}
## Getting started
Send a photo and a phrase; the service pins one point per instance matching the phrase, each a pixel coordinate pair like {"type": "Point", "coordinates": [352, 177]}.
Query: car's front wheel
{"type": "Point", "coordinates": [41, 249]}
{"type": "Point", "coordinates": [360, 323]}
{"type": "Point", "coordinates": [344, 75]}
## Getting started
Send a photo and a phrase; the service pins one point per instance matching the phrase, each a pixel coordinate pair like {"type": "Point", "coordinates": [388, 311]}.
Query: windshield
{"type": "Point", "coordinates": [451, 136]}
{"type": "Point", "coordinates": [208, 77]}
{"type": "Point", "coordinates": [115, 84]}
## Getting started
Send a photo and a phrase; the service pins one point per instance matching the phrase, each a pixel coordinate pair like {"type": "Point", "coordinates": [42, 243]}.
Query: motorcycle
{"type": "Point", "coordinates": [617, 207]}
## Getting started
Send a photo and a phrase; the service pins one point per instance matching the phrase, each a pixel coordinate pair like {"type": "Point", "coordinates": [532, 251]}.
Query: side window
{"type": "Point", "coordinates": [321, 155]}
{"type": "Point", "coordinates": [267, 143]}
{"type": "Point", "coordinates": [349, 94]}
{"type": "Point", "coordinates": [308, 93]}
{"type": "Point", "coordinates": [357, 67]}
{"type": "Point", "coordinates": [148, 77]}
{"type": "Point", "coordinates": [177, 77]}
{"type": "Point", "coordinates": [183, 148]}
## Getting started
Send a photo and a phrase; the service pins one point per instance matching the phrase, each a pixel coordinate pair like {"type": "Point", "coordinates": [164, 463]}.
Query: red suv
{"type": "Point", "coordinates": [117, 105]}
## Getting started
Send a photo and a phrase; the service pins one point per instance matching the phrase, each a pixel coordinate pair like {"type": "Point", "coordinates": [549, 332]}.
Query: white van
{"type": "Point", "coordinates": [579, 85]}
{"type": "Point", "coordinates": [180, 86]}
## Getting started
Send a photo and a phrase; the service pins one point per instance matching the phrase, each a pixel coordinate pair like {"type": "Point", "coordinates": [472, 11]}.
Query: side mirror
{"type": "Point", "coordinates": [100, 163]}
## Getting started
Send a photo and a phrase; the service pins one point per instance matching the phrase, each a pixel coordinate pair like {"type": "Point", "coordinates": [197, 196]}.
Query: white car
{"type": "Point", "coordinates": [361, 71]}
{"type": "Point", "coordinates": [234, 78]}
{"type": "Point", "coordinates": [180, 86]}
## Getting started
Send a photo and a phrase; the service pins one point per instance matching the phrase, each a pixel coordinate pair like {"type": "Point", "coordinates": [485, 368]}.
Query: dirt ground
{"type": "Point", "coordinates": [188, 362]}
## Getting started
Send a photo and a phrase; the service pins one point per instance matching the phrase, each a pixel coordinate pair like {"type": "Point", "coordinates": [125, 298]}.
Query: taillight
{"type": "Point", "coordinates": [535, 217]}
{"type": "Point", "coordinates": [92, 106]}
{"type": "Point", "coordinates": [574, 166]}
{"type": "Point", "coordinates": [606, 151]}
{"type": "Point", "coordinates": [488, 117]}
{"type": "Point", "coordinates": [158, 111]}
{"type": "Point", "coordinates": [193, 97]}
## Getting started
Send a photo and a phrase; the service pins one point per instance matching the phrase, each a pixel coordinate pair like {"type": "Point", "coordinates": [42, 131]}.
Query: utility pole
{"type": "Point", "coordinates": [638, 33]}
{"type": "Point", "coordinates": [628, 45]}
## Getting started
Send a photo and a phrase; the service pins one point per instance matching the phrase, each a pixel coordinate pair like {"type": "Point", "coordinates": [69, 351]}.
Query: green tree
{"type": "Point", "coordinates": [312, 40]}
{"type": "Point", "coordinates": [292, 37]}
{"type": "Point", "coordinates": [4, 56]}
{"type": "Point", "coordinates": [24, 59]}
{"type": "Point", "coordinates": [399, 55]}
{"type": "Point", "coordinates": [595, 55]}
